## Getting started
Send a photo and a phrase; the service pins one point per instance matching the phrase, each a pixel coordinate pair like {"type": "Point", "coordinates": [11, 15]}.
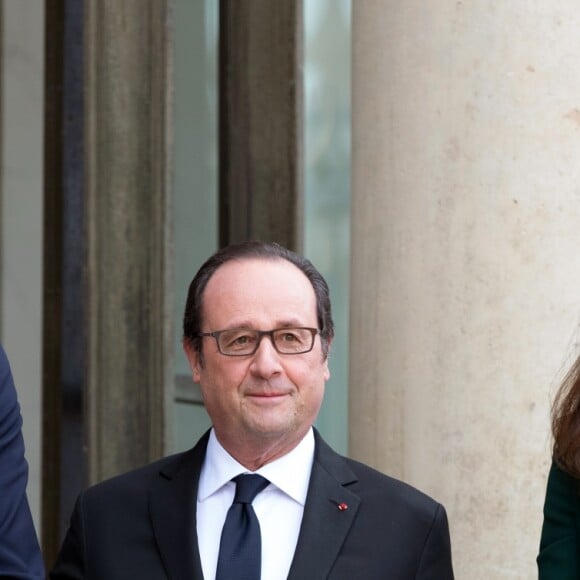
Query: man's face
{"type": "Point", "coordinates": [265, 398]}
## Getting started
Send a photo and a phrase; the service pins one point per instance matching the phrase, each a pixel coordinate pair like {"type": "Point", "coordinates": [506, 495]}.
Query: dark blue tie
{"type": "Point", "coordinates": [240, 555]}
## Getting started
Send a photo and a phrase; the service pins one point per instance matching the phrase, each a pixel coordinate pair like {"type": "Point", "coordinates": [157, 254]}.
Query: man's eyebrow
{"type": "Point", "coordinates": [241, 324]}
{"type": "Point", "coordinates": [284, 323]}
{"type": "Point", "coordinates": [289, 323]}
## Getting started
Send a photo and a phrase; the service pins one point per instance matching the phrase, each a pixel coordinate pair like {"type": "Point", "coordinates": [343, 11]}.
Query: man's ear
{"type": "Point", "coordinates": [193, 357]}
{"type": "Point", "coordinates": [327, 369]}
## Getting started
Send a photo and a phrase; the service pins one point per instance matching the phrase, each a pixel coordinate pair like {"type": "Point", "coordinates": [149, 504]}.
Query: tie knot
{"type": "Point", "coordinates": [248, 486]}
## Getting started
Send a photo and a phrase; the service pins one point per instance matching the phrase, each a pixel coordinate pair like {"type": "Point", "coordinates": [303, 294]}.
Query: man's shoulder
{"type": "Point", "coordinates": [139, 478]}
{"type": "Point", "coordinates": [185, 463]}
{"type": "Point", "coordinates": [376, 484]}
{"type": "Point", "coordinates": [387, 501]}
{"type": "Point", "coordinates": [371, 484]}
{"type": "Point", "coordinates": [133, 486]}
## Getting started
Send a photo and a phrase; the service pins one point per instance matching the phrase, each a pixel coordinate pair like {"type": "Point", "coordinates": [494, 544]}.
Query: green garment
{"type": "Point", "coordinates": [560, 543]}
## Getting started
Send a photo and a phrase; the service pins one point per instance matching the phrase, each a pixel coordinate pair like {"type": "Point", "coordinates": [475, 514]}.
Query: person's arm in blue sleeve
{"type": "Point", "coordinates": [20, 555]}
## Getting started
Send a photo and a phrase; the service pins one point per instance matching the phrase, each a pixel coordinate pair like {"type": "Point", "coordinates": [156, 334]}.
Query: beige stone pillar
{"type": "Point", "coordinates": [465, 257]}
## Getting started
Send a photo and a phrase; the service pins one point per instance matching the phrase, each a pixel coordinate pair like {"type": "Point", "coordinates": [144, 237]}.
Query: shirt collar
{"type": "Point", "coordinates": [289, 473]}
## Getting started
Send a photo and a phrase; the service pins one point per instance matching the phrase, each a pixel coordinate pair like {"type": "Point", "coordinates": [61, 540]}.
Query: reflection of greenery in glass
{"type": "Point", "coordinates": [327, 185]}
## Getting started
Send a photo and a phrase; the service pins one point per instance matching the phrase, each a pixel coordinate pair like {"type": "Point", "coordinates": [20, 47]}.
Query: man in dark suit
{"type": "Point", "coordinates": [257, 332]}
{"type": "Point", "coordinates": [20, 555]}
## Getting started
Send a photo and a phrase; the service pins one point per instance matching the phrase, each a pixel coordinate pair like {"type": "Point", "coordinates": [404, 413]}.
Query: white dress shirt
{"type": "Point", "coordinates": [279, 507]}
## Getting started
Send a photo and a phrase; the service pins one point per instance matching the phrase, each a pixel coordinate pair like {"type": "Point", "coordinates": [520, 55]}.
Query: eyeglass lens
{"type": "Point", "coordinates": [285, 340]}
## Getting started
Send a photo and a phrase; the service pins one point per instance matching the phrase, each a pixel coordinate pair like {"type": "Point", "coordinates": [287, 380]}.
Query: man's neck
{"type": "Point", "coordinates": [253, 454]}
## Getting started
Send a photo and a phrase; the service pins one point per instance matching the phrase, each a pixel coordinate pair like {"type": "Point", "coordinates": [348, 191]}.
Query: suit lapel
{"type": "Point", "coordinates": [172, 505]}
{"type": "Point", "coordinates": [325, 525]}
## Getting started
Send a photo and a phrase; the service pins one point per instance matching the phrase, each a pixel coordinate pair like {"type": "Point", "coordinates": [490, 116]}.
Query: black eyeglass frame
{"type": "Point", "coordinates": [261, 333]}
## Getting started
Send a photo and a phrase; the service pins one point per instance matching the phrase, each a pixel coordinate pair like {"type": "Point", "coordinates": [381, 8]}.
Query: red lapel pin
{"type": "Point", "coordinates": [342, 506]}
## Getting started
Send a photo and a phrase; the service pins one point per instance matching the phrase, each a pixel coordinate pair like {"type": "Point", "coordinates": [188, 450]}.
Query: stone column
{"type": "Point", "coordinates": [465, 262]}
{"type": "Point", "coordinates": [260, 121]}
{"type": "Point", "coordinates": [127, 115]}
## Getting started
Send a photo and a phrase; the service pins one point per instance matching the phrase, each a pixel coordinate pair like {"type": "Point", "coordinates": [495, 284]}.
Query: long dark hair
{"type": "Point", "coordinates": [566, 422]}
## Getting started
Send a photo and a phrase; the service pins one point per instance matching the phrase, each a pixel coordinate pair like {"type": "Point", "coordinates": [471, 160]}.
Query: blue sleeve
{"type": "Point", "coordinates": [20, 555]}
{"type": "Point", "coordinates": [559, 546]}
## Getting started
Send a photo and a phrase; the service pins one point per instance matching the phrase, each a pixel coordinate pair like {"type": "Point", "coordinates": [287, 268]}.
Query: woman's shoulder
{"type": "Point", "coordinates": [559, 479]}
{"type": "Point", "coordinates": [559, 545]}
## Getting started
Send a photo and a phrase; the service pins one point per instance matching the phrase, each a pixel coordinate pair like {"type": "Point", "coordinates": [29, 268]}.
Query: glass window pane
{"type": "Point", "coordinates": [327, 186]}
{"type": "Point", "coordinates": [195, 175]}
{"type": "Point", "coordinates": [327, 180]}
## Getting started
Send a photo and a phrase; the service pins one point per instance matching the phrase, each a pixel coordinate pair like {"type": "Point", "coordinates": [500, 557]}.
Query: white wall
{"type": "Point", "coordinates": [465, 257]}
{"type": "Point", "coordinates": [22, 200]}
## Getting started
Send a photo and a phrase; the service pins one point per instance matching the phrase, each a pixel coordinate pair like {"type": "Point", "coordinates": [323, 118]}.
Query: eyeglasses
{"type": "Point", "coordinates": [245, 341]}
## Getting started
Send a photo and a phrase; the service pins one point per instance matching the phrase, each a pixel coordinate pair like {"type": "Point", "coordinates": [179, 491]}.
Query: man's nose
{"type": "Point", "coordinates": [266, 360]}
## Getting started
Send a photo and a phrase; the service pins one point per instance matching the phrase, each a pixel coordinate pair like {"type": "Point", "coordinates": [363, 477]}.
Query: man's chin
{"type": "Point", "coordinates": [270, 428]}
